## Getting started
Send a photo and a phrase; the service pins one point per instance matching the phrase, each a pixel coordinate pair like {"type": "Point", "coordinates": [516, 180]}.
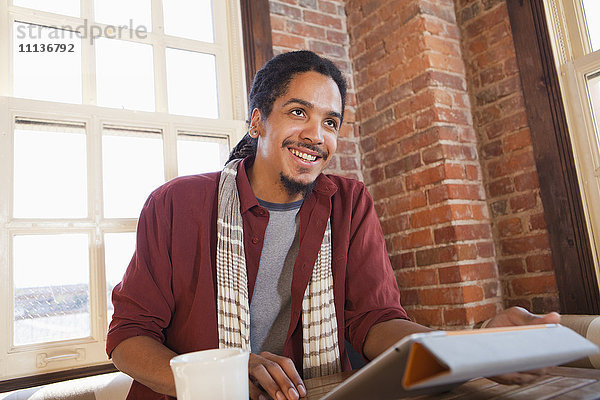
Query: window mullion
{"type": "Point", "coordinates": [5, 39]}
{"type": "Point", "coordinates": [88, 57]}
{"type": "Point", "coordinates": [160, 66]}
{"type": "Point", "coordinates": [5, 258]}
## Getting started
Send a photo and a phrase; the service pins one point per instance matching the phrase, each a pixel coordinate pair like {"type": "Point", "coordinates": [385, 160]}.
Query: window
{"type": "Point", "coordinates": [575, 38]}
{"type": "Point", "coordinates": [100, 102]}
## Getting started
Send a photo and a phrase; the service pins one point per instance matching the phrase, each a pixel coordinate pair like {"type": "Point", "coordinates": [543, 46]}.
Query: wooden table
{"type": "Point", "coordinates": [560, 383]}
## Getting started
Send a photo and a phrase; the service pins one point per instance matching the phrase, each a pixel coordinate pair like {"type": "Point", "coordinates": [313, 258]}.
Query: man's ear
{"type": "Point", "coordinates": [256, 121]}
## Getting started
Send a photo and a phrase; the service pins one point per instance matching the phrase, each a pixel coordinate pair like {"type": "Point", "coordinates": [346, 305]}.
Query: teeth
{"type": "Point", "coordinates": [303, 156]}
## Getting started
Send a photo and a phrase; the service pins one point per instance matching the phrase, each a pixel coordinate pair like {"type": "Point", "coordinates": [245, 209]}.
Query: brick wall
{"type": "Point", "coordinates": [510, 176]}
{"type": "Point", "coordinates": [320, 26]}
{"type": "Point", "coordinates": [420, 158]}
{"type": "Point", "coordinates": [437, 130]}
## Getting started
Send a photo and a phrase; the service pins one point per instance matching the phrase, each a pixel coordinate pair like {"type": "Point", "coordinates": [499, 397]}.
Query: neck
{"type": "Point", "coordinates": [269, 188]}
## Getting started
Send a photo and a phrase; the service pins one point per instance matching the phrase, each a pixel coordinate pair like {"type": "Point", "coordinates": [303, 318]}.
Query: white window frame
{"type": "Point", "coordinates": [20, 361]}
{"type": "Point", "coordinates": [574, 60]}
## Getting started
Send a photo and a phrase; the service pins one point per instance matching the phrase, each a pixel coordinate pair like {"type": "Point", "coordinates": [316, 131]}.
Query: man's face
{"type": "Point", "coordinates": [299, 137]}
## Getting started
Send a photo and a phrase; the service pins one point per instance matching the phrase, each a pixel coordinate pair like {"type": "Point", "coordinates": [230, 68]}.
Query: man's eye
{"type": "Point", "coordinates": [331, 123]}
{"type": "Point", "coordinates": [297, 112]}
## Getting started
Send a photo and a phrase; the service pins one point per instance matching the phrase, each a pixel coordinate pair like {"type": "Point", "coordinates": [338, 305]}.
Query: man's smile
{"type": "Point", "coordinates": [303, 156]}
{"type": "Point", "coordinates": [304, 151]}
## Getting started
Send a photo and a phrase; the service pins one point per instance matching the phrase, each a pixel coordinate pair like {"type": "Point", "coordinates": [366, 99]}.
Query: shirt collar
{"type": "Point", "coordinates": [323, 187]}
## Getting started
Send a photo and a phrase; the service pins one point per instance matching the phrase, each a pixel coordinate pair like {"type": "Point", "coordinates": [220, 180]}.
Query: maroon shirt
{"type": "Point", "coordinates": [169, 289]}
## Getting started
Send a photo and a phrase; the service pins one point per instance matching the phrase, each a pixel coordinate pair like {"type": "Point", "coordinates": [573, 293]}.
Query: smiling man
{"type": "Point", "coordinates": [270, 255]}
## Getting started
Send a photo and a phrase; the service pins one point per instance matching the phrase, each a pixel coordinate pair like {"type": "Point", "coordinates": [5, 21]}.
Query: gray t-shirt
{"type": "Point", "coordinates": [270, 308]}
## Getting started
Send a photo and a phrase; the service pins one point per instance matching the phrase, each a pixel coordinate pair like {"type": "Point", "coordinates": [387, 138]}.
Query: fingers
{"type": "Point", "coordinates": [255, 392]}
{"type": "Point", "coordinates": [290, 370]}
{"type": "Point", "coordinates": [276, 375]}
{"type": "Point", "coordinates": [515, 316]}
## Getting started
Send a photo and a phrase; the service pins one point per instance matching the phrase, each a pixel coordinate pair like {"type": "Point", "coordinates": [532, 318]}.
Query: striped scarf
{"type": "Point", "coordinates": [319, 324]}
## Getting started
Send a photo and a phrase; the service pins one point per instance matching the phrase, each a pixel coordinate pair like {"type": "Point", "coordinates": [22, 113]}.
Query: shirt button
{"type": "Point", "coordinates": [255, 240]}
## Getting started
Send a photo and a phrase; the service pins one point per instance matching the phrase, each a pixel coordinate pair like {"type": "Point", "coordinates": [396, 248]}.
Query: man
{"type": "Point", "coordinates": [269, 255]}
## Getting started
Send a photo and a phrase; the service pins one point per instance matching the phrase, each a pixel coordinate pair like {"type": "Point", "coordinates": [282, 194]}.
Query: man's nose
{"type": "Point", "coordinates": [312, 132]}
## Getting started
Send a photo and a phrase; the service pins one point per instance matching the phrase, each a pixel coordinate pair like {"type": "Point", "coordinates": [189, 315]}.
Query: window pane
{"type": "Point", "coordinates": [592, 13]}
{"type": "Point", "coordinates": [118, 249]}
{"type": "Point", "coordinates": [50, 170]}
{"type": "Point", "coordinates": [65, 7]}
{"type": "Point", "coordinates": [46, 63]}
{"type": "Point", "coordinates": [133, 167]}
{"type": "Point", "coordinates": [124, 74]}
{"type": "Point", "coordinates": [51, 288]}
{"type": "Point", "coordinates": [189, 19]}
{"type": "Point", "coordinates": [593, 82]}
{"type": "Point", "coordinates": [199, 154]}
{"type": "Point", "coordinates": [131, 13]}
{"type": "Point", "coordinates": [192, 83]}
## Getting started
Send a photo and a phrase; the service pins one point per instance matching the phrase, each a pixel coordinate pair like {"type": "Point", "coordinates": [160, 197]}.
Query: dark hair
{"type": "Point", "coordinates": [272, 81]}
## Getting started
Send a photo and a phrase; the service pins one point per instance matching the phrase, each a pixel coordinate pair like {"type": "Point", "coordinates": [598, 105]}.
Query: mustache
{"type": "Point", "coordinates": [322, 153]}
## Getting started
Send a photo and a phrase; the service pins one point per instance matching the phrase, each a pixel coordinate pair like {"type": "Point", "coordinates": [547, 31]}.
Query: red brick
{"type": "Point", "coordinates": [414, 240]}
{"type": "Point", "coordinates": [472, 172]}
{"type": "Point", "coordinates": [525, 244]}
{"type": "Point", "coordinates": [285, 10]}
{"type": "Point", "coordinates": [411, 201]}
{"type": "Point", "coordinates": [491, 289]}
{"type": "Point", "coordinates": [479, 212]}
{"type": "Point", "coordinates": [425, 177]}
{"type": "Point", "coordinates": [517, 140]}
{"type": "Point", "coordinates": [539, 263]}
{"type": "Point", "coordinates": [456, 233]}
{"type": "Point", "coordinates": [542, 304]}
{"type": "Point", "coordinates": [372, 175]}
{"type": "Point", "coordinates": [511, 266]}
{"type": "Point", "coordinates": [454, 171]}
{"type": "Point", "coordinates": [329, 49]}
{"type": "Point", "coordinates": [523, 202]}
{"type": "Point", "coordinates": [527, 181]}
{"type": "Point", "coordinates": [500, 187]}
{"type": "Point", "coordinates": [537, 222]}
{"type": "Point", "coordinates": [318, 18]}
{"type": "Point", "coordinates": [409, 297]}
{"type": "Point", "coordinates": [510, 227]}
{"type": "Point", "coordinates": [416, 278]}
{"type": "Point", "coordinates": [437, 255]}
{"type": "Point", "coordinates": [395, 224]}
{"type": "Point", "coordinates": [533, 285]}
{"type": "Point", "coordinates": [508, 165]}
{"type": "Point", "coordinates": [403, 165]}
{"type": "Point", "coordinates": [506, 124]}
{"type": "Point", "coordinates": [427, 317]}
{"type": "Point", "coordinates": [400, 128]}
{"type": "Point", "coordinates": [302, 29]}
{"type": "Point", "coordinates": [470, 315]}
{"type": "Point", "coordinates": [450, 295]}
{"type": "Point", "coordinates": [470, 272]}
{"type": "Point", "coordinates": [391, 187]}
{"type": "Point", "coordinates": [486, 249]}
{"type": "Point", "coordinates": [492, 149]}
{"type": "Point", "coordinates": [348, 163]}
{"type": "Point", "coordinates": [278, 23]}
{"type": "Point", "coordinates": [327, 7]}
{"type": "Point", "coordinates": [283, 40]}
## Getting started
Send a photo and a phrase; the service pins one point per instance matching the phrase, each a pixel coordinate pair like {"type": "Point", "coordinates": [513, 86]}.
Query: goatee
{"type": "Point", "coordinates": [293, 187]}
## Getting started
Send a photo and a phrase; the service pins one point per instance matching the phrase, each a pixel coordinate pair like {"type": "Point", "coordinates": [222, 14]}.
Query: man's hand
{"type": "Point", "coordinates": [517, 316]}
{"type": "Point", "coordinates": [274, 376]}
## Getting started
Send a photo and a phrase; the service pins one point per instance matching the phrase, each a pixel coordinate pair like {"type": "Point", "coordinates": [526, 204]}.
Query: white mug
{"type": "Point", "coordinates": [219, 374]}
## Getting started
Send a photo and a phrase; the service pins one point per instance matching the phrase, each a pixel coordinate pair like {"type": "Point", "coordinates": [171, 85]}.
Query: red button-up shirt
{"type": "Point", "coordinates": [169, 289]}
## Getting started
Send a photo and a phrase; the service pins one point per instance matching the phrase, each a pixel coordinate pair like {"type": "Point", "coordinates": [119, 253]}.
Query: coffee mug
{"type": "Point", "coordinates": [219, 374]}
